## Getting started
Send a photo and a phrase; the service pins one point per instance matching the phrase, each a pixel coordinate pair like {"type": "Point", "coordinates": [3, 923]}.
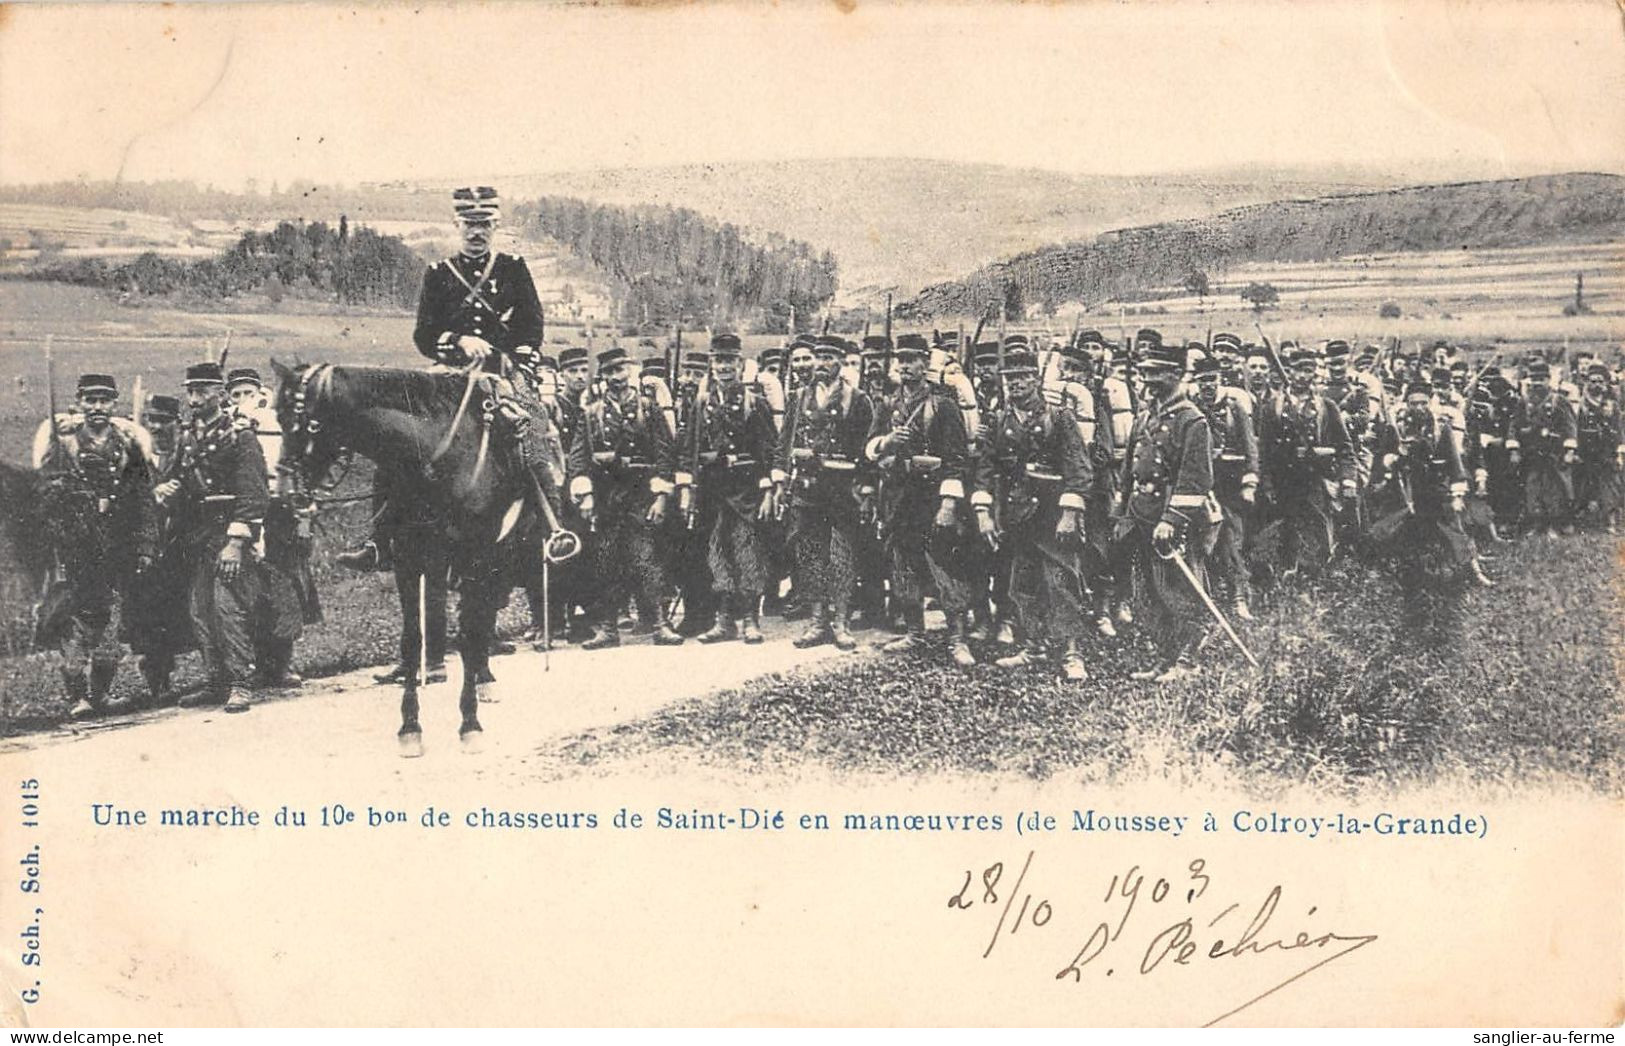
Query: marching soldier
{"type": "Point", "coordinates": [1421, 486]}
{"type": "Point", "coordinates": [691, 569]}
{"type": "Point", "coordinates": [1495, 476]}
{"type": "Point", "coordinates": [728, 467]}
{"type": "Point", "coordinates": [98, 501]}
{"type": "Point", "coordinates": [1095, 400]}
{"type": "Point", "coordinates": [1167, 507]}
{"type": "Point", "coordinates": [219, 499]}
{"type": "Point", "coordinates": [1309, 466]}
{"type": "Point", "coordinates": [918, 443]}
{"type": "Point", "coordinates": [830, 497]}
{"type": "Point", "coordinates": [1599, 491]}
{"type": "Point", "coordinates": [287, 589]}
{"type": "Point", "coordinates": [1235, 477]}
{"type": "Point", "coordinates": [1031, 478]}
{"type": "Point", "coordinates": [621, 466]}
{"type": "Point", "coordinates": [157, 626]}
{"type": "Point", "coordinates": [1543, 440]}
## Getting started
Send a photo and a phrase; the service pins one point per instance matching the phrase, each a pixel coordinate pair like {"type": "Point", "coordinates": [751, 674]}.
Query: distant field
{"type": "Point", "coordinates": [1509, 296]}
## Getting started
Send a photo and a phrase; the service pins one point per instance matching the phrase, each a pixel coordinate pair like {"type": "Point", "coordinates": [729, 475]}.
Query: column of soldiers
{"type": "Point", "coordinates": [1027, 489]}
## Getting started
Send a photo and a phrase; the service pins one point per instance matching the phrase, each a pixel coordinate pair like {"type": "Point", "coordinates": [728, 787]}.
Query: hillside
{"type": "Point", "coordinates": [1125, 263]}
{"type": "Point", "coordinates": [898, 225]}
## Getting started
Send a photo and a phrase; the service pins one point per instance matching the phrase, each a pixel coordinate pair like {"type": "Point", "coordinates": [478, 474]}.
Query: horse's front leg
{"type": "Point", "coordinates": [476, 625]}
{"type": "Point", "coordinates": [410, 736]}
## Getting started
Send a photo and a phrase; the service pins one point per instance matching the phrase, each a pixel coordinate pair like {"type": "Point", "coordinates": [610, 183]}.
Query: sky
{"type": "Point", "coordinates": [226, 93]}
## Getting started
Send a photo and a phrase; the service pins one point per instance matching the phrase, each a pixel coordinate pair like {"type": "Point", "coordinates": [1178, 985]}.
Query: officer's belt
{"type": "Point", "coordinates": [805, 458]}
{"type": "Point", "coordinates": [608, 459]}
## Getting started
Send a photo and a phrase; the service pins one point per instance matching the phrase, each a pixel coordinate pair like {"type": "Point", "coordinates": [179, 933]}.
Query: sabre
{"type": "Point", "coordinates": [1207, 601]}
{"type": "Point", "coordinates": [423, 625]}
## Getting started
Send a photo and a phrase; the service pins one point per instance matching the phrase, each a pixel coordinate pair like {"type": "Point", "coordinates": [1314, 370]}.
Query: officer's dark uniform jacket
{"type": "Point", "coordinates": [1598, 431]}
{"type": "Point", "coordinates": [1305, 446]}
{"type": "Point", "coordinates": [98, 500]}
{"type": "Point", "coordinates": [622, 451]}
{"type": "Point", "coordinates": [935, 464]}
{"type": "Point", "coordinates": [1543, 430]}
{"type": "Point", "coordinates": [1168, 470]}
{"type": "Point", "coordinates": [221, 459]}
{"type": "Point", "coordinates": [834, 433]}
{"type": "Point", "coordinates": [491, 297]}
{"type": "Point", "coordinates": [1033, 466]}
{"type": "Point", "coordinates": [1234, 445]}
{"type": "Point", "coordinates": [1427, 462]}
{"type": "Point", "coordinates": [729, 449]}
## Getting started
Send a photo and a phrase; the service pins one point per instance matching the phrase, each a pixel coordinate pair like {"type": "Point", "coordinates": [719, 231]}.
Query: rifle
{"type": "Point", "coordinates": [50, 396]}
{"type": "Point", "coordinates": [885, 363]}
{"type": "Point", "coordinates": [135, 398]}
{"type": "Point", "coordinates": [1275, 359]}
{"type": "Point", "coordinates": [225, 350]}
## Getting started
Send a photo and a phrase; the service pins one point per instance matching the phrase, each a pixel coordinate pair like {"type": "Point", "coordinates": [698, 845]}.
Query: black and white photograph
{"type": "Point", "coordinates": [812, 514]}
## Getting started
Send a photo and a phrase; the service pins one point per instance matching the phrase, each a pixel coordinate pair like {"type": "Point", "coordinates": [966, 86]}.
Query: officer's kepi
{"type": "Point", "coordinates": [204, 374]}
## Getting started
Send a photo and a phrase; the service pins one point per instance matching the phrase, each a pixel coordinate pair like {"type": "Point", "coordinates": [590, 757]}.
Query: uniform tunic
{"type": "Point", "coordinates": [1235, 465]}
{"type": "Point", "coordinates": [1419, 472]}
{"type": "Point", "coordinates": [821, 455]}
{"type": "Point", "coordinates": [491, 297]}
{"type": "Point", "coordinates": [1306, 454]}
{"type": "Point", "coordinates": [913, 481]}
{"type": "Point", "coordinates": [1600, 436]}
{"type": "Point", "coordinates": [1543, 432]}
{"type": "Point", "coordinates": [1033, 466]}
{"type": "Point", "coordinates": [1168, 478]}
{"type": "Point", "coordinates": [729, 462]}
{"type": "Point", "coordinates": [623, 454]}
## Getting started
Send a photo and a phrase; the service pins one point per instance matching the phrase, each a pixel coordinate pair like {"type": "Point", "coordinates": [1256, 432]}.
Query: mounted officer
{"type": "Point", "coordinates": [97, 499]}
{"type": "Point", "coordinates": [478, 307]}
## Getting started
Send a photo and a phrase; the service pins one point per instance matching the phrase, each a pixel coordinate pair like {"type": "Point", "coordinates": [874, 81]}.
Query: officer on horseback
{"type": "Point", "coordinates": [477, 307]}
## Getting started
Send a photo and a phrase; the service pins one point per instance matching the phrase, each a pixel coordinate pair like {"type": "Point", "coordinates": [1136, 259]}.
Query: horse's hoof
{"type": "Point", "coordinates": [473, 740]}
{"type": "Point", "coordinates": [411, 745]}
{"type": "Point", "coordinates": [485, 694]}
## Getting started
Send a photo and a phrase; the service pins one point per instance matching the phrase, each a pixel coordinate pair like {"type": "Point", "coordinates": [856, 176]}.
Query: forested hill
{"type": "Point", "coordinates": [1119, 264]}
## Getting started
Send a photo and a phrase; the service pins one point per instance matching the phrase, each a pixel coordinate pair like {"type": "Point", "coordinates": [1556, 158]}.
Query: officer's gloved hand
{"type": "Point", "coordinates": [866, 508]}
{"type": "Point", "coordinates": [1481, 482]}
{"type": "Point", "coordinates": [474, 347]}
{"type": "Point", "coordinates": [900, 440]}
{"type": "Point", "coordinates": [1456, 504]}
{"type": "Point", "coordinates": [764, 511]}
{"type": "Point", "coordinates": [1249, 492]}
{"type": "Point", "coordinates": [947, 514]}
{"type": "Point", "coordinates": [1568, 457]}
{"type": "Point", "coordinates": [657, 510]}
{"type": "Point", "coordinates": [588, 510]}
{"type": "Point", "coordinates": [166, 490]}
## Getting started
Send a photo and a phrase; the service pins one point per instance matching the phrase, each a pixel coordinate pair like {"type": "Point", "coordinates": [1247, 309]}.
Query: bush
{"type": "Point", "coordinates": [1389, 311]}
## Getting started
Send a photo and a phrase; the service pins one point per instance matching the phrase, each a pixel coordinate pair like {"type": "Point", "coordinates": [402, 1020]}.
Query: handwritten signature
{"type": "Point", "coordinates": [1191, 936]}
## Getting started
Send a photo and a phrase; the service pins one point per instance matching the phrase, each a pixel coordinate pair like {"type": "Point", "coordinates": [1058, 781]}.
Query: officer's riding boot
{"type": "Point", "coordinates": [1072, 663]}
{"type": "Point", "coordinates": [914, 638]}
{"type": "Point", "coordinates": [102, 671]}
{"type": "Point", "coordinates": [818, 630]}
{"type": "Point", "coordinates": [726, 627]}
{"type": "Point", "coordinates": [959, 642]}
{"type": "Point", "coordinates": [78, 694]}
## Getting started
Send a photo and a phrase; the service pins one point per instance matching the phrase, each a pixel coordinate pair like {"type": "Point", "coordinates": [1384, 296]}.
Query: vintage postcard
{"type": "Point", "coordinates": [812, 514]}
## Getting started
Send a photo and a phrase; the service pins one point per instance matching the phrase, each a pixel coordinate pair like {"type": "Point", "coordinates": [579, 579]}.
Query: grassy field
{"type": "Point", "coordinates": [1349, 698]}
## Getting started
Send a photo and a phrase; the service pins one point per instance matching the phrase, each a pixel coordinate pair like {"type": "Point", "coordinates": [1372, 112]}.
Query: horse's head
{"type": "Point", "coordinates": [310, 449]}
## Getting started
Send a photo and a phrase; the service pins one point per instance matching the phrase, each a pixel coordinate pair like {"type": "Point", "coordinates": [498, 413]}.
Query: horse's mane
{"type": "Point", "coordinates": [417, 392]}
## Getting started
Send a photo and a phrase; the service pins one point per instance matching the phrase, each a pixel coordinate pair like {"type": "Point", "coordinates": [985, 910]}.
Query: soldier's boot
{"type": "Point", "coordinates": [1006, 633]}
{"type": "Point", "coordinates": [366, 559]}
{"type": "Point", "coordinates": [238, 699]}
{"type": "Point", "coordinates": [914, 638]}
{"type": "Point", "coordinates": [982, 616]}
{"type": "Point", "coordinates": [959, 642]}
{"type": "Point", "coordinates": [603, 637]}
{"type": "Point", "coordinates": [726, 627]}
{"type": "Point", "coordinates": [1021, 658]}
{"type": "Point", "coordinates": [665, 635]}
{"type": "Point", "coordinates": [78, 688]}
{"type": "Point", "coordinates": [1103, 617]}
{"type": "Point", "coordinates": [1072, 666]}
{"type": "Point", "coordinates": [751, 628]}
{"type": "Point", "coordinates": [1238, 602]}
{"type": "Point", "coordinates": [818, 631]}
{"type": "Point", "coordinates": [155, 671]}
{"type": "Point", "coordinates": [838, 632]}
{"type": "Point", "coordinates": [275, 669]}
{"type": "Point", "coordinates": [102, 672]}
{"type": "Point", "coordinates": [1123, 613]}
{"type": "Point", "coordinates": [208, 694]}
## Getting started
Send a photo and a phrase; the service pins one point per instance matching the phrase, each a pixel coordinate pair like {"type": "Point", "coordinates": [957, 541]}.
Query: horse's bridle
{"type": "Point", "coordinates": [302, 433]}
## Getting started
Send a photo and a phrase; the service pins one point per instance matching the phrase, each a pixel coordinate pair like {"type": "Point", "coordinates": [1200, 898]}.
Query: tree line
{"type": "Point", "coordinates": [671, 265]}
{"type": "Point", "coordinates": [355, 267]}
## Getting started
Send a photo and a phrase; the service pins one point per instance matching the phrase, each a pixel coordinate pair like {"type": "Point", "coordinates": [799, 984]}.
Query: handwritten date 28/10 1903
{"type": "Point", "coordinates": [1185, 920]}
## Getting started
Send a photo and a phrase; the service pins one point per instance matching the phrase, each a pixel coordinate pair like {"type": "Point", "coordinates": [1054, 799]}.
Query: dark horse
{"type": "Point", "coordinates": [433, 432]}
